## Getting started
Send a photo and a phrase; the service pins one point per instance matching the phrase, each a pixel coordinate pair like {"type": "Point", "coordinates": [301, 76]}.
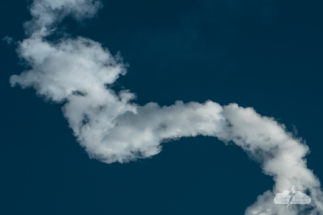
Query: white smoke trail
{"type": "Point", "coordinates": [112, 128]}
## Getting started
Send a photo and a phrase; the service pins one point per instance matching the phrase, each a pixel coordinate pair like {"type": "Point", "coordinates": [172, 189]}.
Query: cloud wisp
{"type": "Point", "coordinates": [112, 128]}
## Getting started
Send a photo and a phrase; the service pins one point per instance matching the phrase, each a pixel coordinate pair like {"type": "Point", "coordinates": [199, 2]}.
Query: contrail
{"type": "Point", "coordinates": [112, 128]}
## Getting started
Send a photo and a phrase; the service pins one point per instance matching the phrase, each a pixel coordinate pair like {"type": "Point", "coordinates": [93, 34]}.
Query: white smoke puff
{"type": "Point", "coordinates": [47, 13]}
{"type": "Point", "coordinates": [139, 133]}
{"type": "Point", "coordinates": [59, 70]}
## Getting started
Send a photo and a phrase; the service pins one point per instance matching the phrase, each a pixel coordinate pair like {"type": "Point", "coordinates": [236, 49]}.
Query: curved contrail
{"type": "Point", "coordinates": [112, 128]}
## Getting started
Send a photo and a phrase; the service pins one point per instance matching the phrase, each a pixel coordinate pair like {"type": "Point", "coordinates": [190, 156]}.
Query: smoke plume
{"type": "Point", "coordinates": [112, 128]}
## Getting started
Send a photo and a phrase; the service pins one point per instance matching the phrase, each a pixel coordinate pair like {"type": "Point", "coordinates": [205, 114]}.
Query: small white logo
{"type": "Point", "coordinates": [292, 197]}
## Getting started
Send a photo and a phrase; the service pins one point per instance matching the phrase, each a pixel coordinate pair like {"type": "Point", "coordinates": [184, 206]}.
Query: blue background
{"type": "Point", "coordinates": [261, 54]}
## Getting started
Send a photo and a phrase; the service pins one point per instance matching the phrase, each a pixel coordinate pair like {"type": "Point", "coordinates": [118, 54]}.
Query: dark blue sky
{"type": "Point", "coordinates": [261, 54]}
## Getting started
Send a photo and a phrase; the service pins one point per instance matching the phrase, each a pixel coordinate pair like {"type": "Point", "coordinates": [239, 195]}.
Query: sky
{"type": "Point", "coordinates": [261, 54]}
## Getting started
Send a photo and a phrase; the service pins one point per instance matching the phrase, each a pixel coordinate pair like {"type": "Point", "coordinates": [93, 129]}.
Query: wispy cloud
{"type": "Point", "coordinates": [112, 128]}
{"type": "Point", "coordinates": [8, 40]}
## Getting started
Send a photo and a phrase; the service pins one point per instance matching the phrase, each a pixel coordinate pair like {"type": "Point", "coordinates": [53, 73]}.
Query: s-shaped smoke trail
{"type": "Point", "coordinates": [112, 128]}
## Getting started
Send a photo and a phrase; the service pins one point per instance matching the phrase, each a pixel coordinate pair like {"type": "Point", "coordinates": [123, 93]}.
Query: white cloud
{"type": "Point", "coordinates": [46, 13]}
{"type": "Point", "coordinates": [112, 128]}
